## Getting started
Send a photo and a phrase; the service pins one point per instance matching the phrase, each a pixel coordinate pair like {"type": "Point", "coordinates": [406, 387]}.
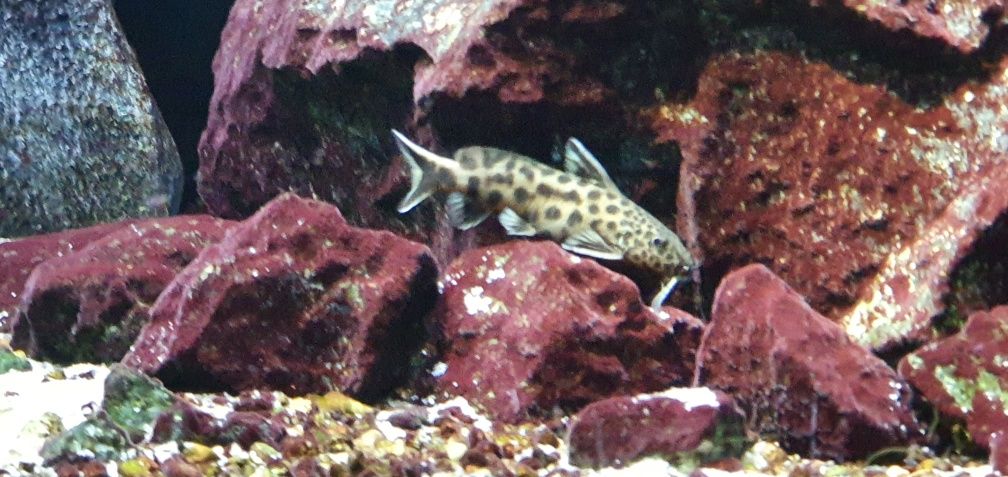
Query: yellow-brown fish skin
{"type": "Point", "coordinates": [585, 212]}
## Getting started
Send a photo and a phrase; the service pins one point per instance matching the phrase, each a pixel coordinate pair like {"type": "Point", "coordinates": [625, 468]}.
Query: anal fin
{"type": "Point", "coordinates": [463, 212]}
{"type": "Point", "coordinates": [514, 224]}
{"type": "Point", "coordinates": [589, 242]}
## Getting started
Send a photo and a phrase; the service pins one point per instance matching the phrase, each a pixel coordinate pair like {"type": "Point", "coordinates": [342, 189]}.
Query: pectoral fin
{"type": "Point", "coordinates": [664, 292]}
{"type": "Point", "coordinates": [589, 242]}
{"type": "Point", "coordinates": [514, 224]}
{"type": "Point", "coordinates": [579, 160]}
{"type": "Point", "coordinates": [464, 213]}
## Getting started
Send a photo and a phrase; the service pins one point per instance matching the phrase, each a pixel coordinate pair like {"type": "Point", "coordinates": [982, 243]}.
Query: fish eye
{"type": "Point", "coordinates": [659, 242]}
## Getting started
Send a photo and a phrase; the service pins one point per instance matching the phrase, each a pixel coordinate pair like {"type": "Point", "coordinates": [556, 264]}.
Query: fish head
{"type": "Point", "coordinates": [661, 250]}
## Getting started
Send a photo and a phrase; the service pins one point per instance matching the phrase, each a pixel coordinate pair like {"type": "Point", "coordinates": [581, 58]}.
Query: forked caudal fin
{"type": "Point", "coordinates": [421, 163]}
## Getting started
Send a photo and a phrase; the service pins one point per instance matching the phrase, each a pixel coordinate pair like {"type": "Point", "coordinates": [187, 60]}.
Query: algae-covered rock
{"type": "Point", "coordinates": [133, 401]}
{"type": "Point", "coordinates": [82, 140]}
{"type": "Point", "coordinates": [95, 438]}
{"type": "Point", "coordinates": [12, 360]}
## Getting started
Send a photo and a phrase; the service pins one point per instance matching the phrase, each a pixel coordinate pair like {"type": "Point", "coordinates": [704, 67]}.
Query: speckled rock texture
{"type": "Point", "coordinates": [89, 305]}
{"type": "Point", "coordinates": [862, 200]}
{"type": "Point", "coordinates": [293, 299]}
{"type": "Point", "coordinates": [692, 424]}
{"type": "Point", "coordinates": [965, 375]}
{"type": "Point", "coordinates": [999, 452]}
{"type": "Point", "coordinates": [450, 72]}
{"type": "Point", "coordinates": [82, 141]}
{"type": "Point", "coordinates": [798, 375]}
{"type": "Point", "coordinates": [526, 326]}
{"type": "Point", "coordinates": [960, 24]}
{"type": "Point", "coordinates": [19, 257]}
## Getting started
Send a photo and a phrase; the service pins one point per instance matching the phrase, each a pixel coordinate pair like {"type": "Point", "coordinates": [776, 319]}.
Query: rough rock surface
{"type": "Point", "coordinates": [961, 24]}
{"type": "Point", "coordinates": [862, 200]}
{"type": "Point", "coordinates": [19, 257]}
{"type": "Point", "coordinates": [526, 326]}
{"type": "Point", "coordinates": [89, 305]}
{"type": "Point", "coordinates": [693, 424]}
{"type": "Point", "coordinates": [477, 71]}
{"type": "Point", "coordinates": [797, 374]}
{"type": "Point", "coordinates": [293, 299]}
{"type": "Point", "coordinates": [965, 375]}
{"type": "Point", "coordinates": [83, 141]}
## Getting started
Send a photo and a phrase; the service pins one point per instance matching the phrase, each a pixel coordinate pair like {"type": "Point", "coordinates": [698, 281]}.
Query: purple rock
{"type": "Point", "coordinates": [679, 422]}
{"type": "Point", "coordinates": [89, 305]}
{"type": "Point", "coordinates": [527, 326]}
{"type": "Point", "coordinates": [798, 375]}
{"type": "Point", "coordinates": [964, 375]}
{"type": "Point", "coordinates": [293, 299]}
{"type": "Point", "coordinates": [19, 257]}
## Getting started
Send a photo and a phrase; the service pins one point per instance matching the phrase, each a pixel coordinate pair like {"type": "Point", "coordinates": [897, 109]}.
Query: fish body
{"type": "Point", "coordinates": [579, 207]}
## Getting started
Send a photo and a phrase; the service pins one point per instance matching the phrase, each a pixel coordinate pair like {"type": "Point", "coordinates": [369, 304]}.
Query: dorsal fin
{"type": "Point", "coordinates": [579, 160]}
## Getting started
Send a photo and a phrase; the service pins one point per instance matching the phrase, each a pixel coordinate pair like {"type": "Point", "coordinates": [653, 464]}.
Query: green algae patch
{"type": "Point", "coordinates": [96, 438]}
{"type": "Point", "coordinates": [134, 400]}
{"type": "Point", "coordinates": [13, 361]}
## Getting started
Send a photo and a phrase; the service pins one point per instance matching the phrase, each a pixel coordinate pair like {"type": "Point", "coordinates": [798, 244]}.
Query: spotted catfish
{"type": "Point", "coordinates": [580, 208]}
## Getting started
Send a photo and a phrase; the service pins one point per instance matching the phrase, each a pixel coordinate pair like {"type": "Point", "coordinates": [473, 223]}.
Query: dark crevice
{"type": "Point", "coordinates": [979, 281]}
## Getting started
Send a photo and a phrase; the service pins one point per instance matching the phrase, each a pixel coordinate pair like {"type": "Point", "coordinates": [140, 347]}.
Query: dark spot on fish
{"type": "Point", "coordinates": [548, 171]}
{"type": "Point", "coordinates": [520, 194]}
{"type": "Point", "coordinates": [564, 178]}
{"type": "Point", "coordinates": [533, 216]}
{"type": "Point", "coordinates": [510, 164]}
{"type": "Point", "coordinates": [595, 224]}
{"type": "Point", "coordinates": [573, 196]}
{"type": "Point", "coordinates": [544, 190]}
{"type": "Point", "coordinates": [610, 195]}
{"type": "Point", "coordinates": [468, 162]}
{"type": "Point", "coordinates": [494, 197]}
{"type": "Point", "coordinates": [527, 172]}
{"type": "Point", "coordinates": [553, 213]}
{"type": "Point", "coordinates": [593, 209]}
{"type": "Point", "coordinates": [445, 178]}
{"type": "Point", "coordinates": [564, 232]}
{"type": "Point", "coordinates": [472, 187]}
{"type": "Point", "coordinates": [492, 157]}
{"type": "Point", "coordinates": [595, 194]}
{"type": "Point", "coordinates": [582, 182]}
{"type": "Point", "coordinates": [574, 219]}
{"type": "Point", "coordinates": [612, 209]}
{"type": "Point", "coordinates": [506, 179]}
{"type": "Point", "coordinates": [610, 225]}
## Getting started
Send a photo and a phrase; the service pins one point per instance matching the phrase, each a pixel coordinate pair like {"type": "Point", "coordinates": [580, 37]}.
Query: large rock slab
{"type": "Point", "coordinates": [293, 299]}
{"type": "Point", "coordinates": [19, 257]}
{"type": "Point", "coordinates": [965, 375]}
{"type": "Point", "coordinates": [526, 327]}
{"type": "Point", "coordinates": [798, 375]}
{"type": "Point", "coordinates": [861, 199]}
{"type": "Point", "coordinates": [89, 305]}
{"type": "Point", "coordinates": [83, 141]}
{"type": "Point", "coordinates": [688, 425]}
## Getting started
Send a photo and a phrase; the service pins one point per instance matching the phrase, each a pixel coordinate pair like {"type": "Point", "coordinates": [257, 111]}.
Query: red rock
{"type": "Point", "coordinates": [527, 326]}
{"type": "Point", "coordinates": [798, 375]}
{"type": "Point", "coordinates": [697, 423]}
{"type": "Point", "coordinates": [89, 305]}
{"type": "Point", "coordinates": [999, 452]}
{"type": "Point", "coordinates": [862, 201]}
{"type": "Point", "coordinates": [964, 375]}
{"type": "Point", "coordinates": [19, 257]}
{"type": "Point", "coordinates": [960, 24]}
{"type": "Point", "coordinates": [293, 299]}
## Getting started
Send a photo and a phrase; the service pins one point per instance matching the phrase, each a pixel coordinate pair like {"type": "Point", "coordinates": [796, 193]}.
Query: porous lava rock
{"type": "Point", "coordinates": [964, 375]}
{"type": "Point", "coordinates": [19, 257]}
{"type": "Point", "coordinates": [694, 425]}
{"type": "Point", "coordinates": [798, 375]}
{"type": "Point", "coordinates": [451, 72]}
{"type": "Point", "coordinates": [293, 299]}
{"type": "Point", "coordinates": [89, 305]}
{"type": "Point", "coordinates": [861, 199]}
{"type": "Point", "coordinates": [526, 326]}
{"type": "Point", "coordinates": [83, 141]}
